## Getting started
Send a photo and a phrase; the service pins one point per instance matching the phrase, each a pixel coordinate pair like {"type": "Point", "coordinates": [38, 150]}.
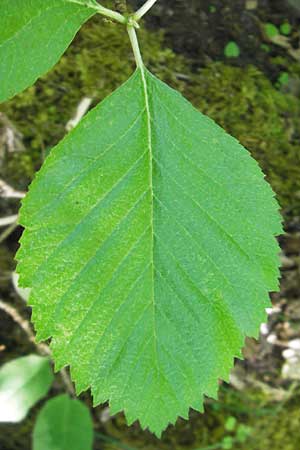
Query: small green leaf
{"type": "Point", "coordinates": [149, 247]}
{"type": "Point", "coordinates": [232, 50]}
{"type": "Point", "coordinates": [243, 432]}
{"type": "Point", "coordinates": [63, 424]}
{"type": "Point", "coordinates": [271, 30]}
{"type": "Point", "coordinates": [285, 28]}
{"type": "Point", "coordinates": [230, 423]}
{"type": "Point", "coordinates": [227, 443]}
{"type": "Point", "coordinates": [283, 78]}
{"type": "Point", "coordinates": [33, 36]}
{"type": "Point", "coordinates": [23, 382]}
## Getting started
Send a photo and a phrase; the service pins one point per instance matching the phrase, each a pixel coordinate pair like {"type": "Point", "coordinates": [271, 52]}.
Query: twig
{"type": "Point", "coordinates": [7, 191]}
{"type": "Point", "coordinates": [144, 9]}
{"type": "Point", "coordinates": [67, 382]}
{"type": "Point", "coordinates": [80, 112]}
{"type": "Point", "coordinates": [10, 136]}
{"type": "Point", "coordinates": [5, 221]}
{"type": "Point", "coordinates": [101, 10]}
{"type": "Point", "coordinates": [7, 232]}
{"type": "Point", "coordinates": [23, 323]}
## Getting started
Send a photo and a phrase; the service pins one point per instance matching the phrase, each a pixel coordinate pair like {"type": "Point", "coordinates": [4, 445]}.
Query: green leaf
{"type": "Point", "coordinates": [265, 47]}
{"type": "Point", "coordinates": [283, 78]}
{"type": "Point", "coordinates": [63, 424]}
{"type": "Point", "coordinates": [149, 246]}
{"type": "Point", "coordinates": [23, 382]}
{"type": "Point", "coordinates": [232, 50]}
{"type": "Point", "coordinates": [243, 432]}
{"type": "Point", "coordinates": [33, 36]}
{"type": "Point", "coordinates": [285, 28]}
{"type": "Point", "coordinates": [227, 443]}
{"type": "Point", "coordinates": [230, 423]}
{"type": "Point", "coordinates": [271, 30]}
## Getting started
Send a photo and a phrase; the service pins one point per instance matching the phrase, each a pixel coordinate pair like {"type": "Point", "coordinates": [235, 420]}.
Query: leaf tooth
{"type": "Point", "coordinates": [198, 403]}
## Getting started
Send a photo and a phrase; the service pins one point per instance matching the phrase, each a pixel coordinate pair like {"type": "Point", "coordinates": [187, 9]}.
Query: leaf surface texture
{"type": "Point", "coordinates": [33, 36]}
{"type": "Point", "coordinates": [149, 246]}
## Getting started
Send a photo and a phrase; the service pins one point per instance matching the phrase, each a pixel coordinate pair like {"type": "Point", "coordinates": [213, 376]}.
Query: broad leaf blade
{"type": "Point", "coordinates": [23, 382]}
{"type": "Point", "coordinates": [63, 424]}
{"type": "Point", "coordinates": [149, 246]}
{"type": "Point", "coordinates": [33, 36]}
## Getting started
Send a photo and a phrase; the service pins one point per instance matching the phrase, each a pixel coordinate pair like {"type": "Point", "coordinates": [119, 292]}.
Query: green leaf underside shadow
{"type": "Point", "coordinates": [149, 246]}
{"type": "Point", "coordinates": [33, 36]}
{"type": "Point", "coordinates": [23, 382]}
{"type": "Point", "coordinates": [64, 424]}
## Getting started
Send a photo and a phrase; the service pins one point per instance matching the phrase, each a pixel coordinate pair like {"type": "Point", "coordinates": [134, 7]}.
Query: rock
{"type": "Point", "coordinates": [291, 371]}
{"type": "Point", "coordinates": [289, 354]}
{"type": "Point", "coordinates": [264, 329]}
{"type": "Point", "coordinates": [294, 344]}
{"type": "Point", "coordinates": [272, 339]}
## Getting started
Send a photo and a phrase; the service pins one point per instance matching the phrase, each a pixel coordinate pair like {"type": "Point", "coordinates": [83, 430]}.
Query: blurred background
{"type": "Point", "coordinates": [239, 62]}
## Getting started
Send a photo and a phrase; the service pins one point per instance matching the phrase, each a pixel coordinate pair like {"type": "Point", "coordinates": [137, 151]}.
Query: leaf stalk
{"type": "Point", "coordinates": [131, 22]}
{"type": "Point", "coordinates": [135, 44]}
{"type": "Point", "coordinates": [111, 14]}
{"type": "Point", "coordinates": [144, 9]}
{"type": "Point", "coordinates": [93, 4]}
{"type": "Point", "coordinates": [102, 10]}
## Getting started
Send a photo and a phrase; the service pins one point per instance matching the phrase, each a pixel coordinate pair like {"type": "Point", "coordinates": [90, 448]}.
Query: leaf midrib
{"type": "Point", "coordinates": [151, 163]}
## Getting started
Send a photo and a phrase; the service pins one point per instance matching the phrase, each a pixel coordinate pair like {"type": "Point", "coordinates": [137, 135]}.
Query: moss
{"type": "Point", "coordinates": [280, 432]}
{"type": "Point", "coordinates": [18, 170]}
{"type": "Point", "coordinates": [265, 120]}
